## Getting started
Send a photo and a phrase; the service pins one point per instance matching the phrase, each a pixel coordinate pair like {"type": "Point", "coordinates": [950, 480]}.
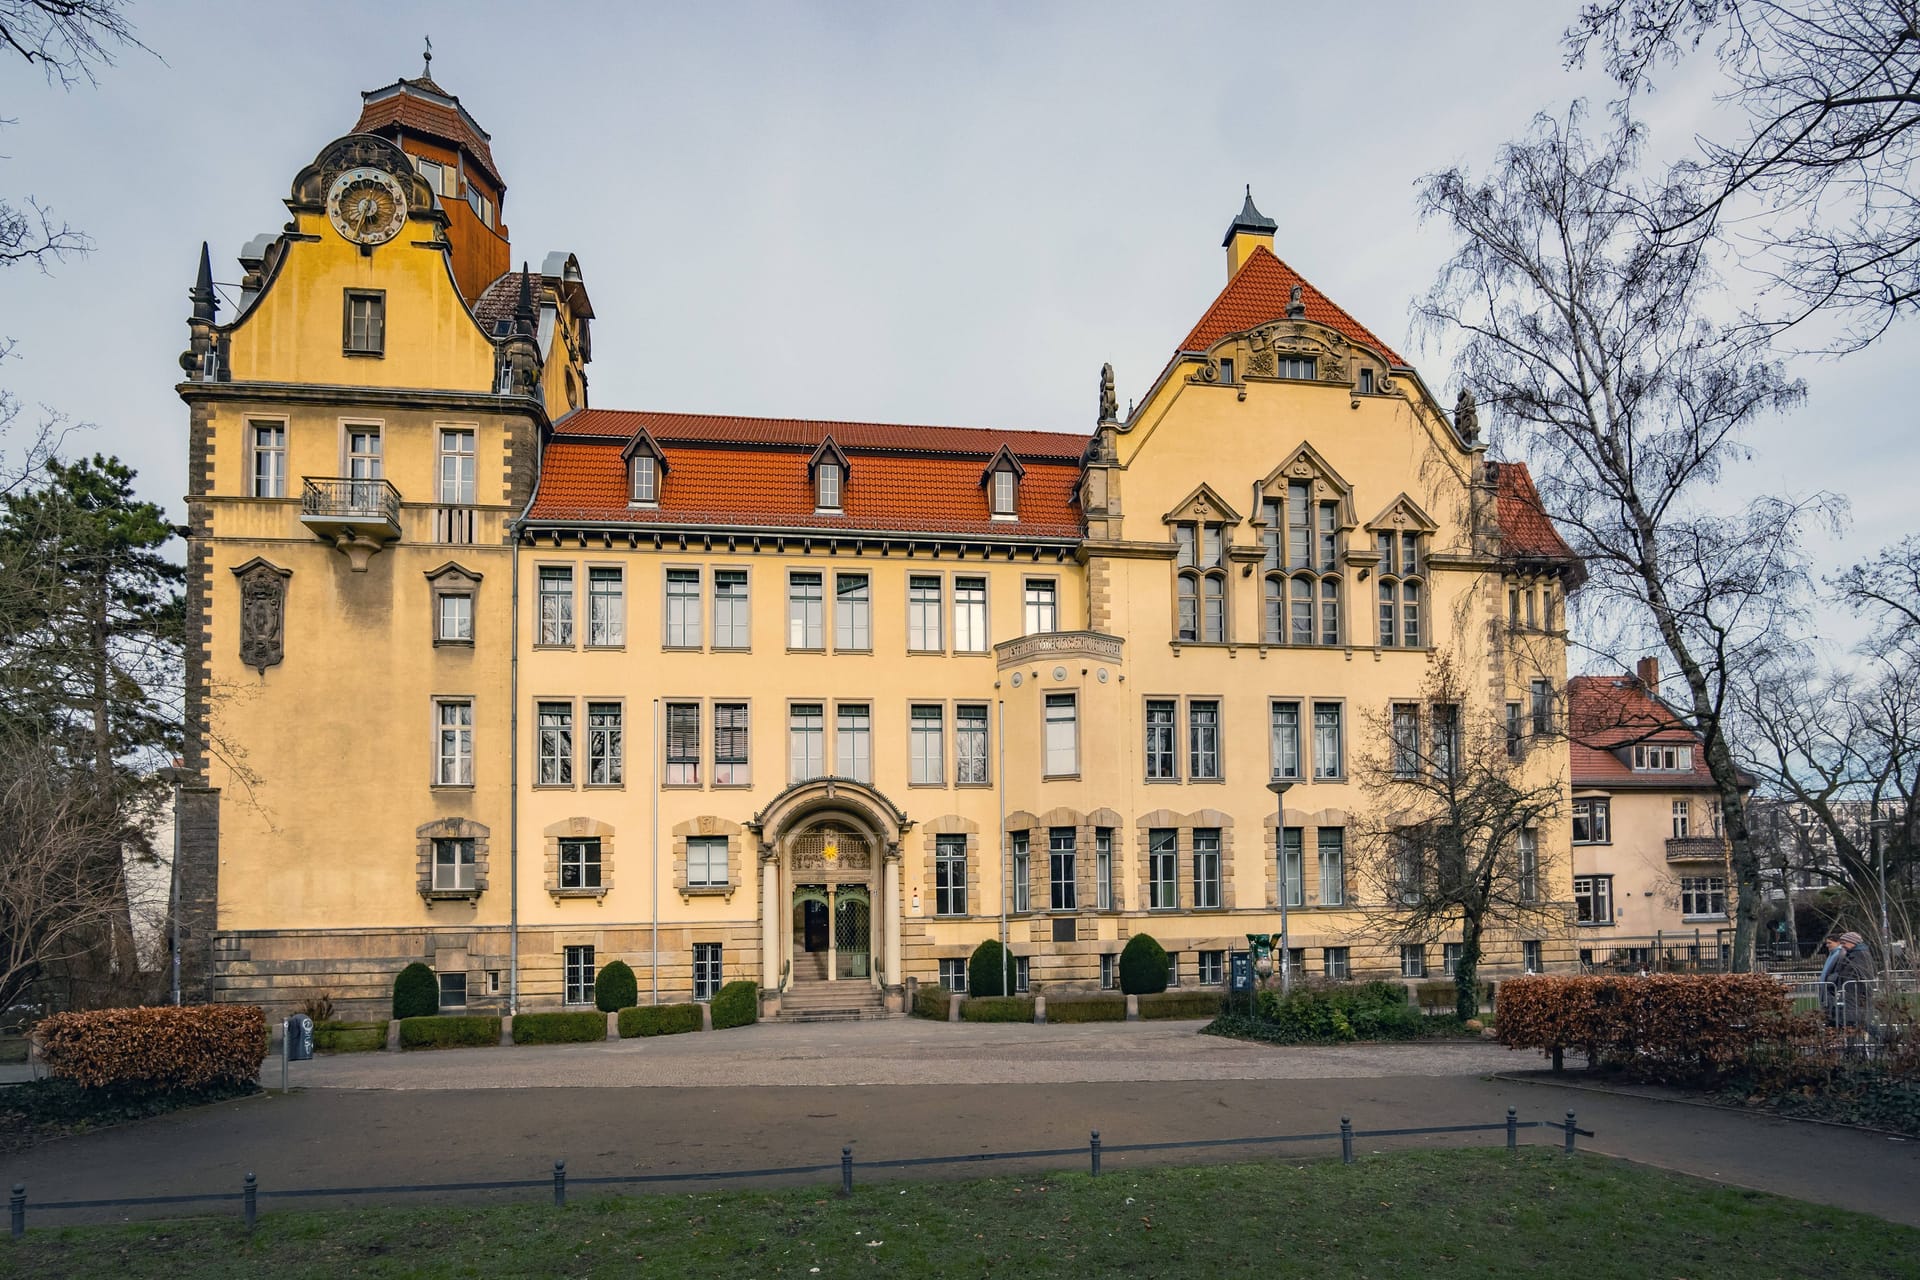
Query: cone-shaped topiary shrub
{"type": "Point", "coordinates": [416, 992]}
{"type": "Point", "coordinates": [615, 988]}
{"type": "Point", "coordinates": [1143, 966]}
{"type": "Point", "coordinates": [990, 970]}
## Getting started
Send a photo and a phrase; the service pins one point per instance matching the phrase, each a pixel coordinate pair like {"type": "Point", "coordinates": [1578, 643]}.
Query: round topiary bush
{"type": "Point", "coordinates": [990, 970]}
{"type": "Point", "coordinates": [736, 1005]}
{"type": "Point", "coordinates": [615, 988]}
{"type": "Point", "coordinates": [1143, 966]}
{"type": "Point", "coordinates": [416, 992]}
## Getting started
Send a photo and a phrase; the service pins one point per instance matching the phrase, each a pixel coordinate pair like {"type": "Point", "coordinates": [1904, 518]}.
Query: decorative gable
{"type": "Point", "coordinates": [1202, 506]}
{"type": "Point", "coordinates": [1305, 465]}
{"type": "Point", "coordinates": [1403, 515]}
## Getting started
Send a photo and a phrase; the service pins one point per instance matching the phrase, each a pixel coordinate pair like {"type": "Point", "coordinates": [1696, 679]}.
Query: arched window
{"type": "Point", "coordinates": [1402, 590]}
{"type": "Point", "coordinates": [1302, 539]}
{"type": "Point", "coordinates": [1200, 583]}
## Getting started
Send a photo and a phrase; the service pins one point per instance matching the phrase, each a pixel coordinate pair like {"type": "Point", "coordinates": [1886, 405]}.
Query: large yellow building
{"type": "Point", "coordinates": [493, 679]}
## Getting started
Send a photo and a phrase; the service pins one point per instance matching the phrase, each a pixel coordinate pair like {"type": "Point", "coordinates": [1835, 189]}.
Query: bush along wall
{"type": "Point", "coordinates": [159, 1049]}
{"type": "Point", "coordinates": [931, 1002]}
{"type": "Point", "coordinates": [1143, 967]}
{"type": "Point", "coordinates": [1086, 1009]}
{"type": "Point", "coordinates": [1667, 1026]}
{"type": "Point", "coordinates": [350, 1037]}
{"type": "Point", "coordinates": [737, 1005]}
{"type": "Point", "coordinates": [416, 992]}
{"type": "Point", "coordinates": [997, 1009]}
{"type": "Point", "coordinates": [1176, 1004]}
{"type": "Point", "coordinates": [465, 1032]}
{"type": "Point", "coordinates": [570, 1027]}
{"type": "Point", "coordinates": [989, 970]}
{"type": "Point", "coordinates": [615, 988]}
{"type": "Point", "coordinates": [659, 1020]}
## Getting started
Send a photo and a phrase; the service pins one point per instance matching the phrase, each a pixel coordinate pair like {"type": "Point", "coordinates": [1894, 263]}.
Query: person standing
{"type": "Point", "coordinates": [1852, 979]}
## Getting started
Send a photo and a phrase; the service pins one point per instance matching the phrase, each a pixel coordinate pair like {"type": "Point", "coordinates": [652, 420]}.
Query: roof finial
{"type": "Point", "coordinates": [523, 315]}
{"type": "Point", "coordinates": [205, 304]}
{"type": "Point", "coordinates": [426, 65]}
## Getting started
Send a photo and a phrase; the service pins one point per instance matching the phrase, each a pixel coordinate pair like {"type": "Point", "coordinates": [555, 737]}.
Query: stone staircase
{"type": "Point", "coordinates": [811, 998]}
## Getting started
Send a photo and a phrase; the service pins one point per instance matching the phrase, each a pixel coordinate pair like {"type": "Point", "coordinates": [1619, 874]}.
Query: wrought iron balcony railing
{"type": "Point", "coordinates": [344, 498]}
{"type": "Point", "coordinates": [1696, 849]}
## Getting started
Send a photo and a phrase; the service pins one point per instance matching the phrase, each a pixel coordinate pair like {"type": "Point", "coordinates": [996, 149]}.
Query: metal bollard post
{"type": "Point", "coordinates": [559, 1184]}
{"type": "Point", "coordinates": [846, 1171]}
{"type": "Point", "coordinates": [1346, 1139]}
{"type": "Point", "coordinates": [1513, 1131]}
{"type": "Point", "coordinates": [17, 1210]}
{"type": "Point", "coordinates": [1570, 1132]}
{"type": "Point", "coordinates": [1093, 1149]}
{"type": "Point", "coordinates": [249, 1200]}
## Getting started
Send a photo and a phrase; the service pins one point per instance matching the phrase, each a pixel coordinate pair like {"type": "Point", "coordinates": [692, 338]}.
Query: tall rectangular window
{"type": "Point", "coordinates": [269, 459]}
{"type": "Point", "coordinates": [1043, 610]}
{"type": "Point", "coordinates": [706, 861]}
{"type": "Point", "coordinates": [706, 970]}
{"type": "Point", "coordinates": [826, 478]}
{"type": "Point", "coordinates": [1161, 764]}
{"type": "Point", "coordinates": [1682, 819]}
{"type": "Point", "coordinates": [1542, 693]}
{"type": "Point", "coordinates": [1103, 887]}
{"type": "Point", "coordinates": [364, 326]}
{"type": "Point", "coordinates": [643, 477]}
{"type": "Point", "coordinates": [970, 746]}
{"type": "Point", "coordinates": [1022, 854]}
{"type": "Point", "coordinates": [1333, 866]}
{"type": "Point", "coordinates": [730, 614]}
{"type": "Point", "coordinates": [553, 756]}
{"type": "Point", "coordinates": [1530, 955]}
{"type": "Point", "coordinates": [580, 862]}
{"type": "Point", "coordinates": [1291, 874]}
{"type": "Point", "coordinates": [457, 473]}
{"type": "Point", "coordinates": [1329, 759]}
{"type": "Point", "coordinates": [926, 731]}
{"type": "Point", "coordinates": [1406, 739]}
{"type": "Point", "coordinates": [607, 607]}
{"type": "Point", "coordinates": [1062, 735]}
{"type": "Point", "coordinates": [1516, 732]}
{"type": "Point", "coordinates": [1593, 899]}
{"type": "Point", "coordinates": [730, 745]}
{"type": "Point", "coordinates": [1527, 868]}
{"type": "Point", "coordinates": [556, 604]}
{"type": "Point", "coordinates": [806, 741]}
{"type": "Point", "coordinates": [805, 623]}
{"type": "Point", "coordinates": [852, 613]}
{"type": "Point", "coordinates": [683, 744]}
{"type": "Point", "coordinates": [1285, 734]}
{"type": "Point", "coordinates": [923, 614]}
{"type": "Point", "coordinates": [1003, 491]}
{"type": "Point", "coordinates": [853, 741]}
{"type": "Point", "coordinates": [364, 460]}
{"type": "Point", "coordinates": [1061, 858]}
{"type": "Point", "coordinates": [969, 615]}
{"type": "Point", "coordinates": [454, 758]}
{"type": "Point", "coordinates": [1413, 960]}
{"type": "Point", "coordinates": [683, 609]}
{"type": "Point", "coordinates": [1203, 741]}
{"type": "Point", "coordinates": [606, 745]}
{"type": "Point", "coordinates": [1592, 821]}
{"type": "Point", "coordinates": [1446, 739]}
{"type": "Point", "coordinates": [453, 869]}
{"type": "Point", "coordinates": [453, 617]}
{"type": "Point", "coordinates": [1163, 869]}
{"type": "Point", "coordinates": [579, 975]}
{"type": "Point", "coordinates": [950, 875]}
{"type": "Point", "coordinates": [1206, 867]}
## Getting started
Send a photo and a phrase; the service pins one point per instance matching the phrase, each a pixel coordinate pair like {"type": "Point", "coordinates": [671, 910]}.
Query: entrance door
{"type": "Point", "coordinates": [813, 925]}
{"type": "Point", "coordinates": [853, 932]}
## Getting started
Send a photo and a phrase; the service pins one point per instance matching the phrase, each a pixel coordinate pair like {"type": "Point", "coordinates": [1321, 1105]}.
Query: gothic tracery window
{"type": "Point", "coordinates": [1302, 583]}
{"type": "Point", "coordinates": [1200, 561]}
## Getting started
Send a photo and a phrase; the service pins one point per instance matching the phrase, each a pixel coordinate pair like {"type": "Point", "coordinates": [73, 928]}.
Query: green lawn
{"type": "Point", "coordinates": [1417, 1214]}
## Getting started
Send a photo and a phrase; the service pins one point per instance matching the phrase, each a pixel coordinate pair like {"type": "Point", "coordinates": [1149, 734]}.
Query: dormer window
{"type": "Point", "coordinates": [1002, 483]}
{"type": "Point", "coordinates": [826, 486]}
{"type": "Point", "coordinates": [645, 473]}
{"type": "Point", "coordinates": [830, 470]}
{"type": "Point", "coordinates": [1654, 757]}
{"type": "Point", "coordinates": [1003, 486]}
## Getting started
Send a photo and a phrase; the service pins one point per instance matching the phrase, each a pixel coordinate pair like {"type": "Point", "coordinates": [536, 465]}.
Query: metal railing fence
{"type": "Point", "coordinates": [251, 1193]}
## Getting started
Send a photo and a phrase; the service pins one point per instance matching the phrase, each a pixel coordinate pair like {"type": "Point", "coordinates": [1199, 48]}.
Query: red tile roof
{"type": "Point", "coordinates": [1258, 294]}
{"type": "Point", "coordinates": [707, 428]}
{"type": "Point", "coordinates": [752, 473]}
{"type": "Point", "coordinates": [1526, 531]}
{"type": "Point", "coordinates": [1611, 713]}
{"type": "Point", "coordinates": [439, 116]}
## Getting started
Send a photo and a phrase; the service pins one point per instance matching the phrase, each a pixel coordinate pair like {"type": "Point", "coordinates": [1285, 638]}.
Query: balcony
{"type": "Point", "coordinates": [1697, 849]}
{"type": "Point", "coordinates": [357, 516]}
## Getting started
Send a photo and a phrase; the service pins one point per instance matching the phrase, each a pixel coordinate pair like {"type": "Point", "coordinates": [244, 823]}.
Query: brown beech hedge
{"type": "Point", "coordinates": [1661, 1025]}
{"type": "Point", "coordinates": [161, 1048]}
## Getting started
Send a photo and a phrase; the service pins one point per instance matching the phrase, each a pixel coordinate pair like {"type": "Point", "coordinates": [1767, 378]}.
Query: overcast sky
{"type": "Point", "coordinates": [896, 212]}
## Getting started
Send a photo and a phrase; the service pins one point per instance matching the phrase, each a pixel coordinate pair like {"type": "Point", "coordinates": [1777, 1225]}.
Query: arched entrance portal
{"type": "Point", "coordinates": [830, 887]}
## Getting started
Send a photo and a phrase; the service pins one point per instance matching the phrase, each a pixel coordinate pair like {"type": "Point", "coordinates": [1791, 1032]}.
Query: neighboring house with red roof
{"type": "Point", "coordinates": [818, 704]}
{"type": "Point", "coordinates": [1650, 862]}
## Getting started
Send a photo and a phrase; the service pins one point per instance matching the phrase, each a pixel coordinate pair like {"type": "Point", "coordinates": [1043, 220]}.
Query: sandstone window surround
{"type": "Point", "coordinates": [1201, 529]}
{"type": "Point", "coordinates": [930, 833]}
{"type": "Point", "coordinates": [425, 837]}
{"type": "Point", "coordinates": [578, 829]}
{"type": "Point", "coordinates": [1037, 891]}
{"type": "Point", "coordinates": [1402, 535]}
{"type": "Point", "coordinates": [704, 828]}
{"type": "Point", "coordinates": [1216, 848]}
{"type": "Point", "coordinates": [454, 592]}
{"type": "Point", "coordinates": [1303, 830]}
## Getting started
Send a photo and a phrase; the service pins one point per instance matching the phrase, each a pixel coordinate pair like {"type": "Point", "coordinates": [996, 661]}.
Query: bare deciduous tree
{"type": "Point", "coordinates": [1592, 345]}
{"type": "Point", "coordinates": [1452, 835]}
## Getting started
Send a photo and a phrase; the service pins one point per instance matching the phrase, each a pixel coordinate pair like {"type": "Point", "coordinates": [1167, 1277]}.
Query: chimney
{"type": "Point", "coordinates": [1648, 670]}
{"type": "Point", "coordinates": [1252, 229]}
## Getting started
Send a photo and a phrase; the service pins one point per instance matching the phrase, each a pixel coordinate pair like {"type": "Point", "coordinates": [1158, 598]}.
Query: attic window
{"type": "Point", "coordinates": [1656, 758]}
{"type": "Point", "coordinates": [1005, 486]}
{"type": "Point", "coordinates": [1366, 382]}
{"type": "Point", "coordinates": [645, 471]}
{"type": "Point", "coordinates": [1305, 368]}
{"type": "Point", "coordinates": [826, 485]}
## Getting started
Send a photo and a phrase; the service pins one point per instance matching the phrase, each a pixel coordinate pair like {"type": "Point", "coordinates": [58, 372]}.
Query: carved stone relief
{"type": "Point", "coordinates": [263, 609]}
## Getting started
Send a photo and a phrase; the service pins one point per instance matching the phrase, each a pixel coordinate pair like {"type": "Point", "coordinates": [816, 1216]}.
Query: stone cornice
{"type": "Point", "coordinates": [1116, 549]}
{"type": "Point", "coordinates": [335, 395]}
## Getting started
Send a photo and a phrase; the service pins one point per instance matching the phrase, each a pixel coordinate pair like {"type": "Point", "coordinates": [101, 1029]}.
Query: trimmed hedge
{"type": "Point", "coordinates": [1663, 1026]}
{"type": "Point", "coordinates": [1143, 966]}
{"type": "Point", "coordinates": [997, 1009]}
{"type": "Point", "coordinates": [161, 1049]}
{"type": "Point", "coordinates": [569, 1027]}
{"type": "Point", "coordinates": [989, 970]}
{"type": "Point", "coordinates": [659, 1020]}
{"type": "Point", "coordinates": [931, 1002]}
{"type": "Point", "coordinates": [1176, 1004]}
{"type": "Point", "coordinates": [456, 1032]}
{"type": "Point", "coordinates": [416, 992]}
{"type": "Point", "coordinates": [1086, 1009]}
{"type": "Point", "coordinates": [1441, 997]}
{"type": "Point", "coordinates": [736, 1005]}
{"type": "Point", "coordinates": [615, 988]}
{"type": "Point", "coordinates": [1335, 1013]}
{"type": "Point", "coordinates": [349, 1037]}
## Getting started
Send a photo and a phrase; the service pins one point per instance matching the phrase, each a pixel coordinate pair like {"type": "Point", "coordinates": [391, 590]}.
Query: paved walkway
{"type": "Point", "coordinates": [427, 1127]}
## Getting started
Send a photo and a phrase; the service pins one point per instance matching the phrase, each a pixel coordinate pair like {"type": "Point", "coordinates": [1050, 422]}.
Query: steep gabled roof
{"type": "Point", "coordinates": [1526, 531]}
{"type": "Point", "coordinates": [716, 428]}
{"type": "Point", "coordinates": [497, 301]}
{"type": "Point", "coordinates": [1606, 714]}
{"type": "Point", "coordinates": [423, 107]}
{"type": "Point", "coordinates": [1258, 294]}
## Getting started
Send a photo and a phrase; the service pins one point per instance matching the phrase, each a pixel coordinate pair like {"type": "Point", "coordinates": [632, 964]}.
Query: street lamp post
{"type": "Point", "coordinates": [1280, 787]}
{"type": "Point", "coordinates": [177, 776]}
{"type": "Point", "coordinates": [1880, 856]}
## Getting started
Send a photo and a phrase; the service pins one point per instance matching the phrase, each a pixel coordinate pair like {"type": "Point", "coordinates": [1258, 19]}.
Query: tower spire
{"type": "Point", "coordinates": [523, 316]}
{"type": "Point", "coordinates": [205, 304]}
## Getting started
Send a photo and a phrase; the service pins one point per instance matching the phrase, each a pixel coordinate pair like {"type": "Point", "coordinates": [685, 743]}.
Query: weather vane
{"type": "Point", "coordinates": [426, 67]}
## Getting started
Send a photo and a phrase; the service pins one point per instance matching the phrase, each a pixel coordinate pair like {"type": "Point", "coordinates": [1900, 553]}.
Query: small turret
{"type": "Point", "coordinates": [1251, 229]}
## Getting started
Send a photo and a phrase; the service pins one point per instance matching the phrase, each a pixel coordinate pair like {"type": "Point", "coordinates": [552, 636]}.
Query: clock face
{"type": "Point", "coordinates": [367, 206]}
